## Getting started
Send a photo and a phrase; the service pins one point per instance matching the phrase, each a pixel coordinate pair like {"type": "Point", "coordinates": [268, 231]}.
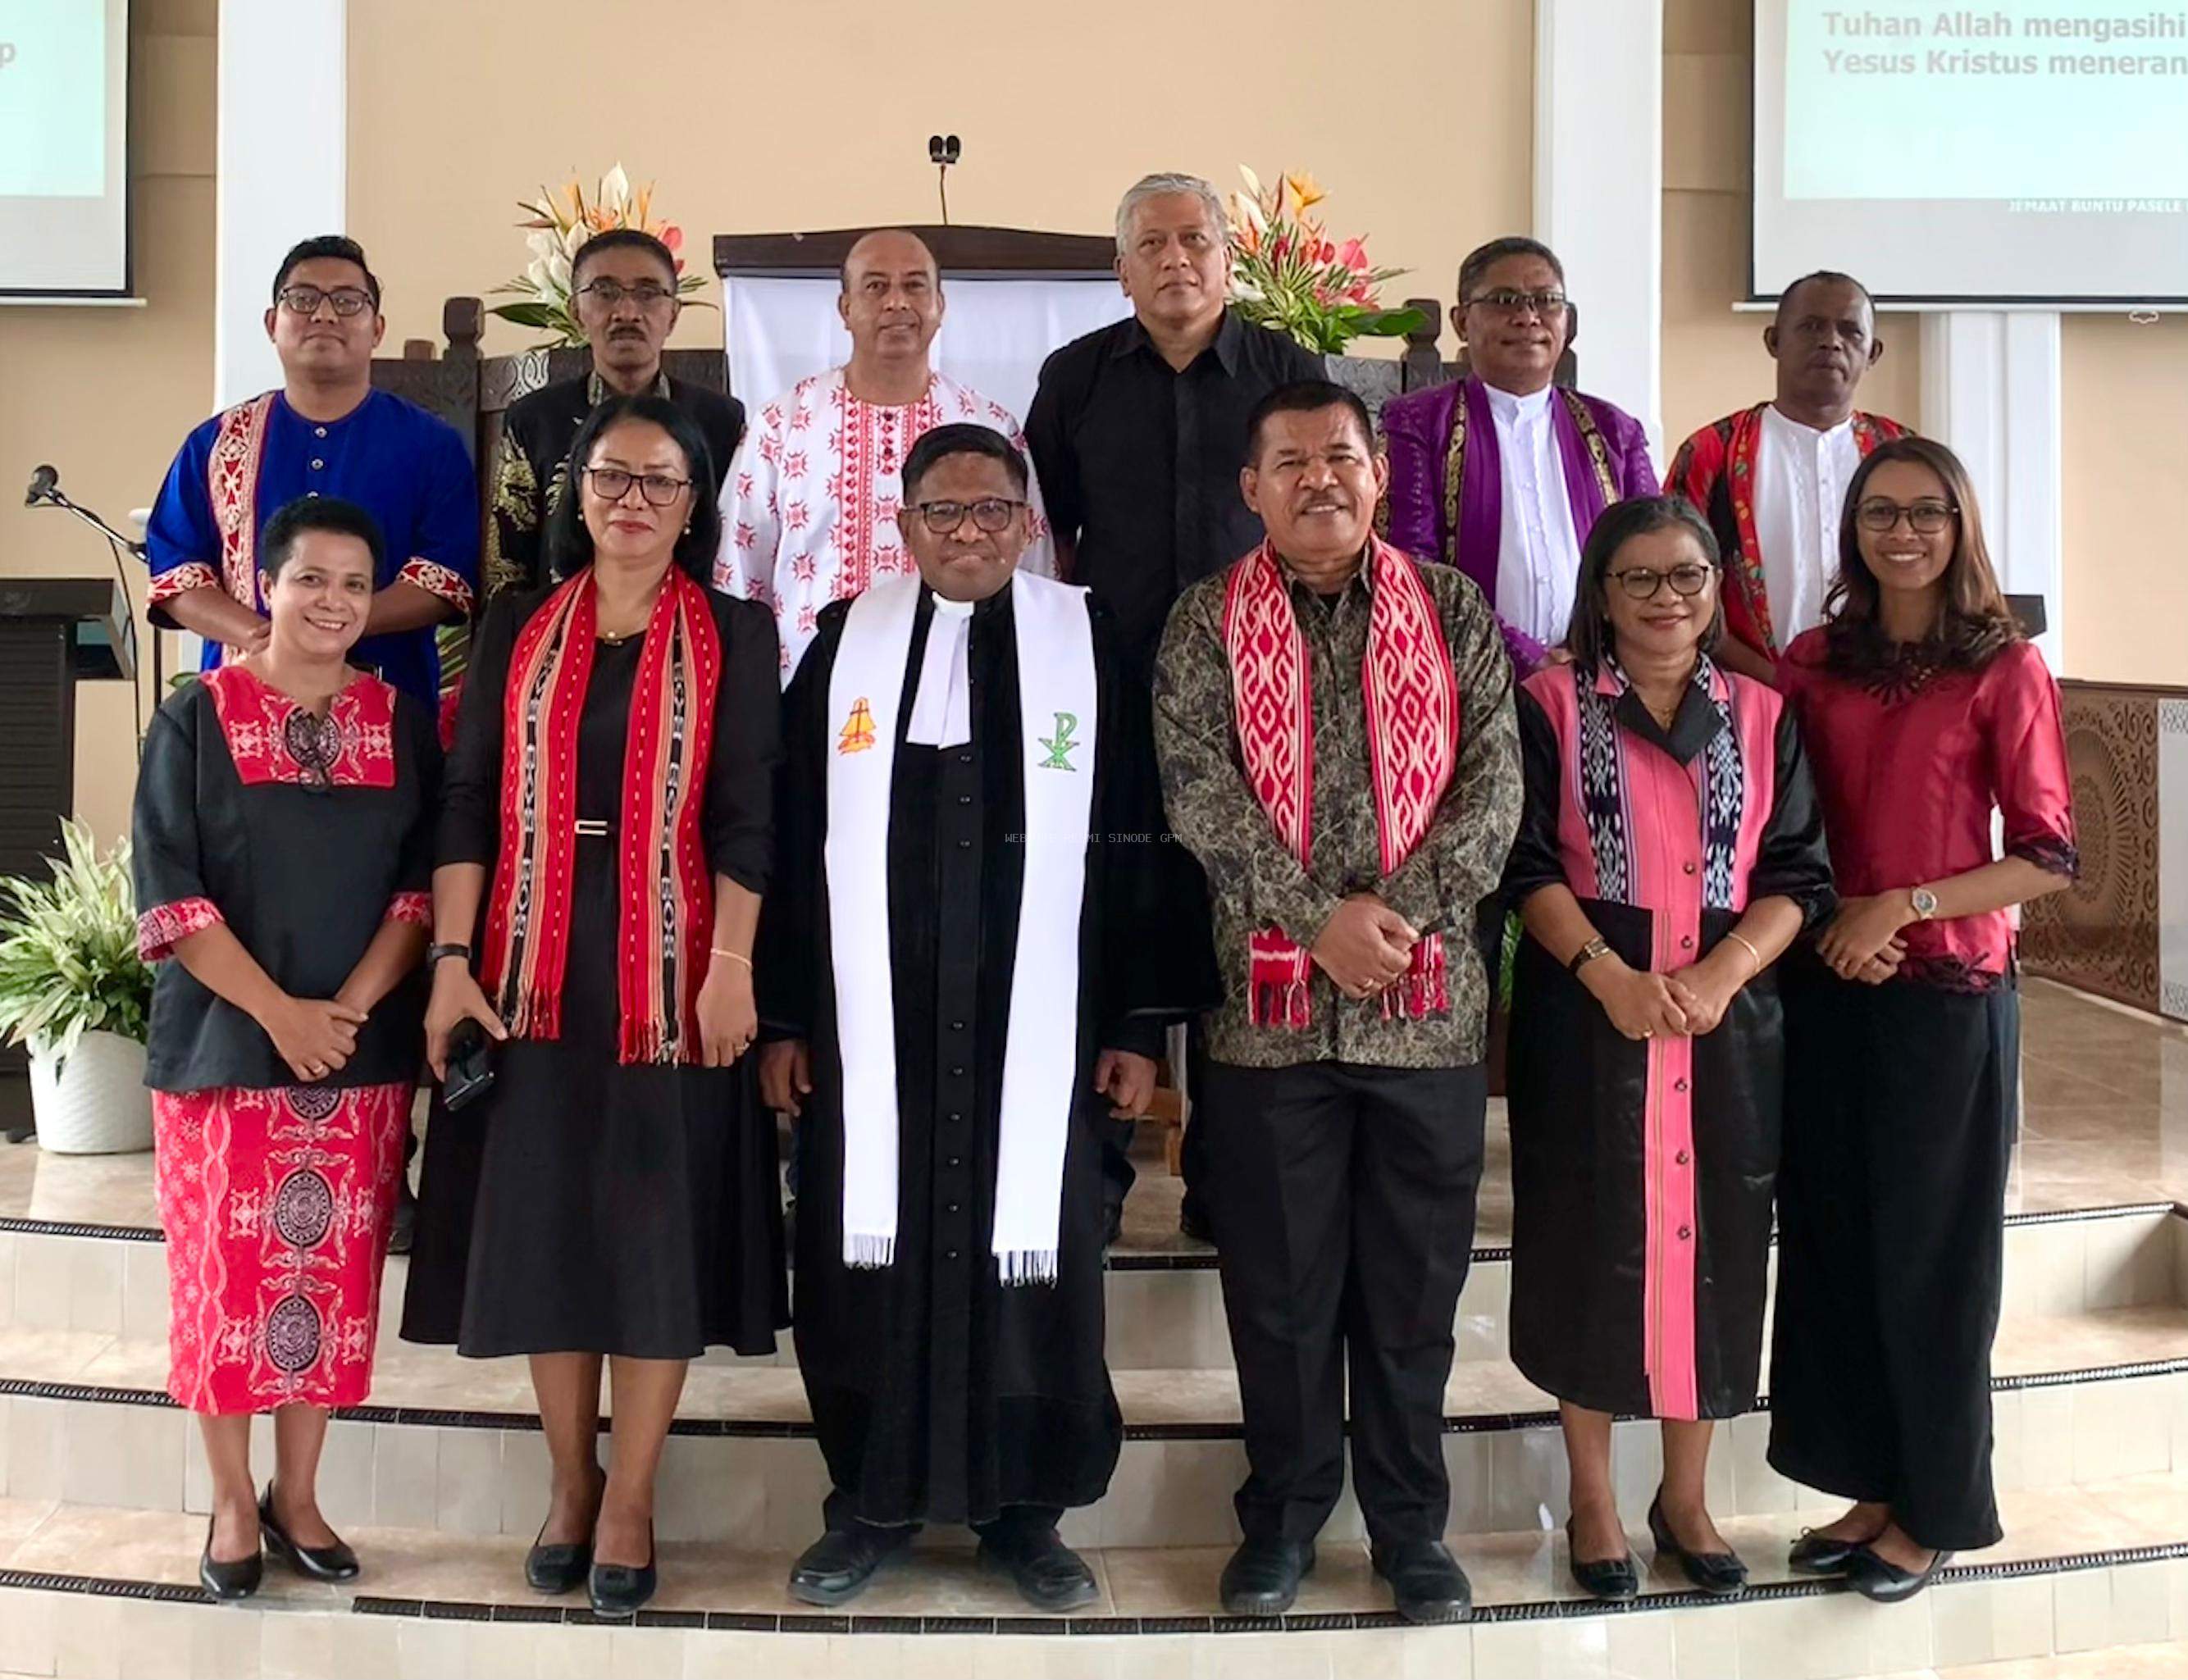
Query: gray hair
{"type": "Point", "coordinates": [1161, 185]}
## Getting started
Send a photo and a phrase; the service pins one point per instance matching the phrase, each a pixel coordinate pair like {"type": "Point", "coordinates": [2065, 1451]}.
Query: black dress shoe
{"type": "Point", "coordinates": [1192, 1224]}
{"type": "Point", "coordinates": [1718, 1572]}
{"type": "Point", "coordinates": [1263, 1576]}
{"type": "Point", "coordinates": [238, 1578]}
{"type": "Point", "coordinates": [620, 1591]}
{"type": "Point", "coordinates": [1611, 1578]}
{"type": "Point", "coordinates": [561, 1567]}
{"type": "Point", "coordinates": [404, 1229]}
{"type": "Point", "coordinates": [1887, 1583]}
{"type": "Point", "coordinates": [1050, 1575]}
{"type": "Point", "coordinates": [836, 1567]}
{"type": "Point", "coordinates": [317, 1563]}
{"type": "Point", "coordinates": [1815, 1554]}
{"type": "Point", "coordinates": [1426, 1581]}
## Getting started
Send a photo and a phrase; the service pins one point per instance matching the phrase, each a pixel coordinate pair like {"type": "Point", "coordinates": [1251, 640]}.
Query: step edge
{"type": "Point", "coordinates": [795, 1622]}
{"type": "Point", "coordinates": [778, 1428]}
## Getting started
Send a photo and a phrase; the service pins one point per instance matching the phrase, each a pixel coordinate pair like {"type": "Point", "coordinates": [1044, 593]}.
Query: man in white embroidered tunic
{"type": "Point", "coordinates": [809, 509]}
{"type": "Point", "coordinates": [950, 966]}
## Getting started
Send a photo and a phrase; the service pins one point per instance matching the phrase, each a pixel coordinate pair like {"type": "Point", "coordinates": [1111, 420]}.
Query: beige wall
{"type": "Point", "coordinates": [2125, 394]}
{"type": "Point", "coordinates": [105, 395]}
{"type": "Point", "coordinates": [756, 119]}
{"type": "Point", "coordinates": [1713, 358]}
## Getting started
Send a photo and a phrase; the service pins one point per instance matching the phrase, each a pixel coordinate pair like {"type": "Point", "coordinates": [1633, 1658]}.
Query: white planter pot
{"type": "Point", "coordinates": [94, 1103]}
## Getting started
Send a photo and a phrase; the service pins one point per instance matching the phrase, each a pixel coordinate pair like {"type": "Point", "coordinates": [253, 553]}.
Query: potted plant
{"type": "Point", "coordinates": [74, 993]}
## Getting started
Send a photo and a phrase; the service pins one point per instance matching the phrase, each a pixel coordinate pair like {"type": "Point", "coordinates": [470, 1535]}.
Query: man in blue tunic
{"type": "Point", "coordinates": [326, 433]}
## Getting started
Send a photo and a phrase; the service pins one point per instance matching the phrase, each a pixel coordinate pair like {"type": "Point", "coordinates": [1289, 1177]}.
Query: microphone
{"type": "Point", "coordinates": [43, 481]}
{"type": "Point", "coordinates": [942, 151]}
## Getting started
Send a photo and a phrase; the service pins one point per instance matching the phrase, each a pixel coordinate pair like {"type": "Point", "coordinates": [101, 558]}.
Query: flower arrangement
{"type": "Point", "coordinates": [1287, 272]}
{"type": "Point", "coordinates": [561, 222]}
{"type": "Point", "coordinates": [67, 951]}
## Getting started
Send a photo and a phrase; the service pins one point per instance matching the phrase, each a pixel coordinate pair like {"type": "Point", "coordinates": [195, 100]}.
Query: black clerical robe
{"type": "Point", "coordinates": [937, 1393]}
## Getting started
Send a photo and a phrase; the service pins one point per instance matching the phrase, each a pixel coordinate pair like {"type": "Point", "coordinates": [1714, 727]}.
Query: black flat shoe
{"type": "Point", "coordinates": [1815, 1554]}
{"type": "Point", "coordinates": [229, 1581]}
{"type": "Point", "coordinates": [1426, 1582]}
{"type": "Point", "coordinates": [620, 1591]}
{"type": "Point", "coordinates": [316, 1563]}
{"type": "Point", "coordinates": [1263, 1576]}
{"type": "Point", "coordinates": [1611, 1578]}
{"type": "Point", "coordinates": [1718, 1572]}
{"type": "Point", "coordinates": [1887, 1583]}
{"type": "Point", "coordinates": [836, 1567]}
{"type": "Point", "coordinates": [1049, 1575]}
{"type": "Point", "coordinates": [561, 1567]}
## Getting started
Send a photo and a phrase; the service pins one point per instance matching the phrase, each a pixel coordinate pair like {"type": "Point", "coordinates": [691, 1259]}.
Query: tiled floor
{"type": "Point", "coordinates": [2104, 1121]}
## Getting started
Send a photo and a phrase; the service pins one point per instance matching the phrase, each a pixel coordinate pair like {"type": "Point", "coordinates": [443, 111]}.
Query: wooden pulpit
{"type": "Point", "coordinates": [55, 632]}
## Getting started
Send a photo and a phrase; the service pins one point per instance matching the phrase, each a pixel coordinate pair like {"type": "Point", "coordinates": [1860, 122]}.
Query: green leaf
{"type": "Point", "coordinates": [542, 315]}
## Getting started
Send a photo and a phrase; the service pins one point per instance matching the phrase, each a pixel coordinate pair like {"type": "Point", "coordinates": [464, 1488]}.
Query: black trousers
{"type": "Point", "coordinates": [1344, 1200]}
{"type": "Point", "coordinates": [1900, 1105]}
{"type": "Point", "coordinates": [1014, 1522]}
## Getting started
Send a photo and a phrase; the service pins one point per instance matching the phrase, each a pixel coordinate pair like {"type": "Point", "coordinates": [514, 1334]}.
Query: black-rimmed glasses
{"type": "Point", "coordinates": [609, 293]}
{"type": "Point", "coordinates": [1506, 301]}
{"type": "Point", "coordinates": [1641, 582]}
{"type": "Point", "coordinates": [303, 300]}
{"type": "Point", "coordinates": [990, 513]}
{"type": "Point", "coordinates": [1880, 514]}
{"type": "Point", "coordinates": [612, 484]}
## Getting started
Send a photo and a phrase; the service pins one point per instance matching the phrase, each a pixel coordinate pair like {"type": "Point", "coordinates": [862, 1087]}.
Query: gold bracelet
{"type": "Point", "coordinates": [1751, 951]}
{"type": "Point", "coordinates": [739, 957]}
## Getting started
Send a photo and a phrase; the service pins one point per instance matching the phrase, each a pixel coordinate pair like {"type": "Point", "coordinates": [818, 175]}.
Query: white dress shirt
{"type": "Point", "coordinates": [1801, 479]}
{"type": "Point", "coordinates": [1537, 551]}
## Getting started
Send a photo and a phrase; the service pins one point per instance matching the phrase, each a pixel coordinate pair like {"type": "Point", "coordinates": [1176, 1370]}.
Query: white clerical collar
{"type": "Point", "coordinates": [1774, 417]}
{"type": "Point", "coordinates": [1509, 407]}
{"type": "Point", "coordinates": [942, 712]}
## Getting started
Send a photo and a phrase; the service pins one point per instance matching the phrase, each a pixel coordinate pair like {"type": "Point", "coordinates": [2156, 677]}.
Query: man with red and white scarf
{"type": "Point", "coordinates": [1336, 726]}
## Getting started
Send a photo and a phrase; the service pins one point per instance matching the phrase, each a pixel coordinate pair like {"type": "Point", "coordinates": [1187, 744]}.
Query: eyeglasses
{"type": "Point", "coordinates": [989, 513]}
{"type": "Point", "coordinates": [612, 484]}
{"type": "Point", "coordinates": [303, 300]}
{"type": "Point", "coordinates": [1928, 518]}
{"type": "Point", "coordinates": [1506, 301]}
{"type": "Point", "coordinates": [609, 293]}
{"type": "Point", "coordinates": [1641, 582]}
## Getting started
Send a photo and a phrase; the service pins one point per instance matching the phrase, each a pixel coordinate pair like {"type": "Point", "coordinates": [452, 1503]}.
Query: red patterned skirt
{"type": "Point", "coordinates": [277, 1206]}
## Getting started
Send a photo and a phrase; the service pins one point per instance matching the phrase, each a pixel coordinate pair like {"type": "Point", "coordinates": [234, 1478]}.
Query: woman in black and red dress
{"type": "Point", "coordinates": [606, 840]}
{"type": "Point", "coordinates": [284, 843]}
{"type": "Point", "coordinates": [1925, 712]}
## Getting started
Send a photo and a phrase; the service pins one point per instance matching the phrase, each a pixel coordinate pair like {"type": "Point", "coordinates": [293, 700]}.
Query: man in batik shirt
{"type": "Point", "coordinates": [809, 514]}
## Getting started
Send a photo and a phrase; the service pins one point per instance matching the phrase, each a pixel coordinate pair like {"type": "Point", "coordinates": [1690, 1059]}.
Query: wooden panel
{"type": "Point", "coordinates": [2101, 934]}
{"type": "Point", "coordinates": [959, 251]}
{"type": "Point", "coordinates": [37, 721]}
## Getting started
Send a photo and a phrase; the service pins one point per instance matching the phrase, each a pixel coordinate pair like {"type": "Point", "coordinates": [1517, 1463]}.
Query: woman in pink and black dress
{"type": "Point", "coordinates": [284, 829]}
{"type": "Point", "coordinates": [1925, 712]}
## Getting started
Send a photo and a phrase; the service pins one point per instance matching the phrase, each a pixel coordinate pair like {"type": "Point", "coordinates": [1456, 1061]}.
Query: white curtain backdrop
{"type": "Point", "coordinates": [995, 336]}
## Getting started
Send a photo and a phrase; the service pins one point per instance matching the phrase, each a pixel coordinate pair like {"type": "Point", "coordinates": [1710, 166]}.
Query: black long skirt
{"type": "Point", "coordinates": [1899, 1119]}
{"type": "Point", "coordinates": [584, 1206]}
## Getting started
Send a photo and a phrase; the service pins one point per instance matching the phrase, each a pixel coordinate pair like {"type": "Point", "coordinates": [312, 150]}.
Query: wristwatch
{"type": "Point", "coordinates": [1588, 953]}
{"type": "Point", "coordinates": [1925, 902]}
{"type": "Point", "coordinates": [434, 953]}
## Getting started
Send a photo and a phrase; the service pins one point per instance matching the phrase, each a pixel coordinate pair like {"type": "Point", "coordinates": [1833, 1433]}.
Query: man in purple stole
{"type": "Point", "coordinates": [1502, 474]}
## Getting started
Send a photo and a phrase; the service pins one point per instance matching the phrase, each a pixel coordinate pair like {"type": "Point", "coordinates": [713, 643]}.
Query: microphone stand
{"type": "Point", "coordinates": [45, 491]}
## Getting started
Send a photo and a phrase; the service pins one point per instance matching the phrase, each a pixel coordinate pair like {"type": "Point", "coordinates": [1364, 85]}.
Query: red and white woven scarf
{"type": "Point", "coordinates": [1412, 696]}
{"type": "Point", "coordinates": [664, 891]}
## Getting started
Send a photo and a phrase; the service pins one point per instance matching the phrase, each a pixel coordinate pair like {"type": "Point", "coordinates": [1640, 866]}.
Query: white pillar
{"type": "Point", "coordinates": [1990, 390]}
{"type": "Point", "coordinates": [1599, 188]}
{"type": "Point", "coordinates": [283, 163]}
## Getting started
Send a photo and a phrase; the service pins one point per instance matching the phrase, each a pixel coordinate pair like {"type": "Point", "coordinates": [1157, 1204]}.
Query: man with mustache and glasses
{"type": "Point", "coordinates": [1335, 724]}
{"type": "Point", "coordinates": [1502, 474]}
{"type": "Point", "coordinates": [623, 282]}
{"type": "Point", "coordinates": [326, 433]}
{"type": "Point", "coordinates": [1772, 480]}
{"type": "Point", "coordinates": [810, 511]}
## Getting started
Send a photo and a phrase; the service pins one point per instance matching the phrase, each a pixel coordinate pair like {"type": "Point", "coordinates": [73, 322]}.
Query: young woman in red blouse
{"type": "Point", "coordinates": [1925, 712]}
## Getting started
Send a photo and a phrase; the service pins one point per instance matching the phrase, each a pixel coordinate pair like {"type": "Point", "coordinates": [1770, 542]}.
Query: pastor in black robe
{"type": "Point", "coordinates": [937, 1393]}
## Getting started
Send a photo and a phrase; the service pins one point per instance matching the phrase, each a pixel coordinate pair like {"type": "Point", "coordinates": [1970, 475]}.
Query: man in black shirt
{"type": "Point", "coordinates": [1138, 433]}
{"type": "Point", "coordinates": [624, 282]}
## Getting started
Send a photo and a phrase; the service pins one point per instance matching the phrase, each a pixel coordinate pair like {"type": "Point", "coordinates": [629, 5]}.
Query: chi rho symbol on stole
{"type": "Point", "coordinates": [1060, 744]}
